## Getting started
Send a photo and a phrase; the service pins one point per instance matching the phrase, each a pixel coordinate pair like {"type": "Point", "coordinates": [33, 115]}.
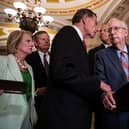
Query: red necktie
{"type": "Point", "coordinates": [124, 63]}
{"type": "Point", "coordinates": [84, 44]}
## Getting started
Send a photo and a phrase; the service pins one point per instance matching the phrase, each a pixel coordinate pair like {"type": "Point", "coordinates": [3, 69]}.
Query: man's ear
{"type": "Point", "coordinates": [35, 44]}
{"type": "Point", "coordinates": [126, 32]}
{"type": "Point", "coordinates": [84, 19]}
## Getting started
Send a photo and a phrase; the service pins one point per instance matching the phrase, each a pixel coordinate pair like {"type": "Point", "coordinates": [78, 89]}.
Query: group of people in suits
{"type": "Point", "coordinates": [64, 95]}
{"type": "Point", "coordinates": [106, 64]}
{"type": "Point", "coordinates": [71, 89]}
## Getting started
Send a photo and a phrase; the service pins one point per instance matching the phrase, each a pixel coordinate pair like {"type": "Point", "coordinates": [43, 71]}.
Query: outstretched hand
{"type": "Point", "coordinates": [108, 100]}
{"type": "Point", "coordinates": [107, 97]}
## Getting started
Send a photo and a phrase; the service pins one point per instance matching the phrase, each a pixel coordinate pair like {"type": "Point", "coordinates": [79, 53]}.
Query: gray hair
{"type": "Point", "coordinates": [122, 23]}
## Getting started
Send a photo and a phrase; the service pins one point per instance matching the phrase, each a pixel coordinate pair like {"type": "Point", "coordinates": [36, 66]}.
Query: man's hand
{"type": "Point", "coordinates": [41, 91]}
{"type": "Point", "coordinates": [105, 87]}
{"type": "Point", "coordinates": [107, 97]}
{"type": "Point", "coordinates": [108, 100]}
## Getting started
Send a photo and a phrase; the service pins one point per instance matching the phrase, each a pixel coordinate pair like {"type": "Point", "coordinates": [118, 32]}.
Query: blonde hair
{"type": "Point", "coordinates": [14, 39]}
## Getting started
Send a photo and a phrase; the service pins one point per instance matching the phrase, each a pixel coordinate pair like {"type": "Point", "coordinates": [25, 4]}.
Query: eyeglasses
{"type": "Point", "coordinates": [116, 28]}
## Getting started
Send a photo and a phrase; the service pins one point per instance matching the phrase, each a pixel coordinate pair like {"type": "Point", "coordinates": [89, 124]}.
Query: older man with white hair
{"type": "Point", "coordinates": [110, 69]}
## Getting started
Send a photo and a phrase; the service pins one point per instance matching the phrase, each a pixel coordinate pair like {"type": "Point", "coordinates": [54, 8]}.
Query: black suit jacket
{"type": "Point", "coordinates": [40, 76]}
{"type": "Point", "coordinates": [71, 90]}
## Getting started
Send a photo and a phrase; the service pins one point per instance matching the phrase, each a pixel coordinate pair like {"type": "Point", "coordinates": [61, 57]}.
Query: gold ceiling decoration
{"type": "Point", "coordinates": [56, 8]}
{"type": "Point", "coordinates": [65, 11]}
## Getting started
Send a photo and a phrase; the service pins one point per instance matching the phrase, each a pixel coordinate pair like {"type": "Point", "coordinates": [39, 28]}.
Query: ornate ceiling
{"type": "Point", "coordinates": [63, 10]}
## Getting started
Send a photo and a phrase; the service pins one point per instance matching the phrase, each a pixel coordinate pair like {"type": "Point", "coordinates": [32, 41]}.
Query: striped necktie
{"type": "Point", "coordinates": [125, 63]}
{"type": "Point", "coordinates": [45, 64]}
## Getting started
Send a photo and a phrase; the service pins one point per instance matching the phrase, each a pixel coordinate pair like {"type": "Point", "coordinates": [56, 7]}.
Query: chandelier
{"type": "Point", "coordinates": [28, 19]}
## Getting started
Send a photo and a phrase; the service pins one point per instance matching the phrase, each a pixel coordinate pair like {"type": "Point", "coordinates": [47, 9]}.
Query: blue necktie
{"type": "Point", "coordinates": [124, 63]}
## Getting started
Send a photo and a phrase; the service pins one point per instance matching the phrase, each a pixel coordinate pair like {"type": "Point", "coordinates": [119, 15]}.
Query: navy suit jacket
{"type": "Point", "coordinates": [109, 69]}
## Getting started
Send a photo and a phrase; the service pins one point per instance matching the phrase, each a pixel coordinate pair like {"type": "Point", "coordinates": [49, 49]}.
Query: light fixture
{"type": "Point", "coordinates": [27, 17]}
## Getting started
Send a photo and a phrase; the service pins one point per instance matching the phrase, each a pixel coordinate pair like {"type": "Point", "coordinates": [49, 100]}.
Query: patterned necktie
{"type": "Point", "coordinates": [124, 63]}
{"type": "Point", "coordinates": [45, 64]}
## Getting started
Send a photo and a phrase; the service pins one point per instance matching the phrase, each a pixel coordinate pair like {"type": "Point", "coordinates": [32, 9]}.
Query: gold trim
{"type": "Point", "coordinates": [92, 4]}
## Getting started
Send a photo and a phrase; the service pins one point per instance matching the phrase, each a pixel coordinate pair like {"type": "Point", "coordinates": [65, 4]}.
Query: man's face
{"type": "Point", "coordinates": [104, 34]}
{"type": "Point", "coordinates": [43, 42]}
{"type": "Point", "coordinates": [117, 32]}
{"type": "Point", "coordinates": [90, 26]}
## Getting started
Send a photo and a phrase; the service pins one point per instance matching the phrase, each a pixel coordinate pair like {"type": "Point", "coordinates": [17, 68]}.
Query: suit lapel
{"type": "Point", "coordinates": [39, 62]}
{"type": "Point", "coordinates": [38, 59]}
{"type": "Point", "coordinates": [113, 57]}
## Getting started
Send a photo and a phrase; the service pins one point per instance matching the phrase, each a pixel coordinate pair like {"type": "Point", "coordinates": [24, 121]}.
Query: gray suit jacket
{"type": "Point", "coordinates": [109, 69]}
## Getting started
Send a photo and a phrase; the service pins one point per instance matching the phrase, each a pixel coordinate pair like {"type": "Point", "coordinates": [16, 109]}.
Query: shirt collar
{"type": "Point", "coordinates": [42, 53]}
{"type": "Point", "coordinates": [124, 50]}
{"type": "Point", "coordinates": [78, 31]}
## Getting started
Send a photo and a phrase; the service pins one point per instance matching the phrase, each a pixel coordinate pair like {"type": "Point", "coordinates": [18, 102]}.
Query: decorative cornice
{"type": "Point", "coordinates": [91, 4]}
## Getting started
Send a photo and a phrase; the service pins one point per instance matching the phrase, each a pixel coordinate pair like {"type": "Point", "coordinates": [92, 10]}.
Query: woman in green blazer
{"type": "Point", "coordinates": [17, 110]}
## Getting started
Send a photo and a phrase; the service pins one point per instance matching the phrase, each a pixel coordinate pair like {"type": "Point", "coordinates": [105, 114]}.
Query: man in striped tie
{"type": "Point", "coordinates": [112, 67]}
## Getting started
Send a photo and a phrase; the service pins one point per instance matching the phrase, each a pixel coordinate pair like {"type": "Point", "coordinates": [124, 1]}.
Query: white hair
{"type": "Point", "coordinates": [122, 23]}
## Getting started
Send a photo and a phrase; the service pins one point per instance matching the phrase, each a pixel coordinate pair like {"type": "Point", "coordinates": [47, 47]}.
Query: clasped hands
{"type": "Point", "coordinates": [107, 97]}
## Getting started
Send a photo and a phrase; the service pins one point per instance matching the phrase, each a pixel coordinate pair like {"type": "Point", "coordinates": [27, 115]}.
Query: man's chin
{"type": "Point", "coordinates": [92, 36]}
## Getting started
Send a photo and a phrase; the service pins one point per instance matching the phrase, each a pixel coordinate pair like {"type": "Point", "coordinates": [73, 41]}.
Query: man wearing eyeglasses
{"type": "Point", "coordinates": [110, 70]}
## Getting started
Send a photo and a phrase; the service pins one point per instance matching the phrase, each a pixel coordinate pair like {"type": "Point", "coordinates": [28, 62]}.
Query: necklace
{"type": "Point", "coordinates": [22, 66]}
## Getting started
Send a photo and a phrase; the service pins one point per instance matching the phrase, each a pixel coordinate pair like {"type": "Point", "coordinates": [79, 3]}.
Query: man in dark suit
{"type": "Point", "coordinates": [36, 60]}
{"type": "Point", "coordinates": [104, 37]}
{"type": "Point", "coordinates": [71, 90]}
{"type": "Point", "coordinates": [110, 70]}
